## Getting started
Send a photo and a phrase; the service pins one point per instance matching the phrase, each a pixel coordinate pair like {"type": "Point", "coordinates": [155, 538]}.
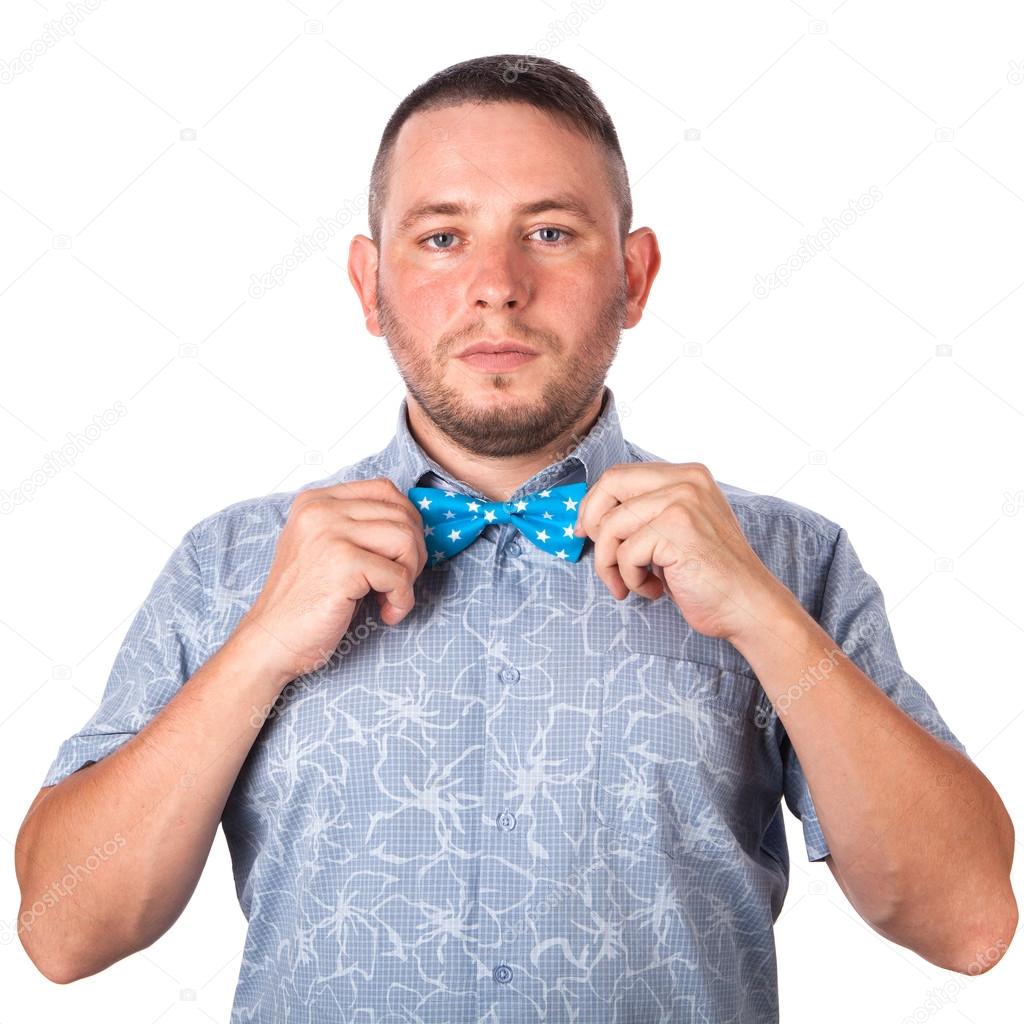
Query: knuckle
{"type": "Point", "coordinates": [406, 527]}
{"type": "Point", "coordinates": [300, 500]}
{"type": "Point", "coordinates": [679, 514]}
{"type": "Point", "coordinates": [307, 509]}
{"type": "Point", "coordinates": [387, 484]}
{"type": "Point", "coordinates": [342, 548]}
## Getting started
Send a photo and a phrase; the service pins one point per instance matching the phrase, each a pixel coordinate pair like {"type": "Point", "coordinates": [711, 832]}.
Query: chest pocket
{"type": "Point", "coordinates": [682, 765]}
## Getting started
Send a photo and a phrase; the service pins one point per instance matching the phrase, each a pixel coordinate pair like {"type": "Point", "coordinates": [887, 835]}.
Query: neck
{"type": "Point", "coordinates": [496, 478]}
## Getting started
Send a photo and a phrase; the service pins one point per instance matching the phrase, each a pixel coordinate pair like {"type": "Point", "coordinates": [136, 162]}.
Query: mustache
{"type": "Point", "coordinates": [512, 330]}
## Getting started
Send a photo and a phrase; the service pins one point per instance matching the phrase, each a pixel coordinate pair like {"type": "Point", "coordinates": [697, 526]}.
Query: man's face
{"type": "Point", "coordinates": [551, 279]}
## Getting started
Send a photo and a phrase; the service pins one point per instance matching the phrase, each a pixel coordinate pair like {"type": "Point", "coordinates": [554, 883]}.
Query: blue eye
{"type": "Point", "coordinates": [548, 243]}
{"type": "Point", "coordinates": [439, 234]}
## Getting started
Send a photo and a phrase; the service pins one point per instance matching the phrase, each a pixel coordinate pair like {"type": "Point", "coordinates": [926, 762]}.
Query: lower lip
{"type": "Point", "coordinates": [498, 361]}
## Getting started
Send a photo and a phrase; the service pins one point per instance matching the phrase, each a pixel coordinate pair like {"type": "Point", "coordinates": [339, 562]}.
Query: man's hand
{"type": "Point", "coordinates": [337, 544]}
{"type": "Point", "coordinates": [675, 518]}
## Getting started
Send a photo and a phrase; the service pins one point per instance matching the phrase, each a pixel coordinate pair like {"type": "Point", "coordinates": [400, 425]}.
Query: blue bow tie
{"type": "Point", "coordinates": [452, 521]}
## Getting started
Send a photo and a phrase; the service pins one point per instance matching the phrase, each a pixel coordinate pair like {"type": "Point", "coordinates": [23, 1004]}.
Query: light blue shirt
{"type": "Point", "coordinates": [525, 802]}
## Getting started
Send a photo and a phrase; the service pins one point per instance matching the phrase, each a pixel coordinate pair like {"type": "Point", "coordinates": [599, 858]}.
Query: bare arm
{"type": "Point", "coordinates": [921, 843]}
{"type": "Point", "coordinates": [138, 825]}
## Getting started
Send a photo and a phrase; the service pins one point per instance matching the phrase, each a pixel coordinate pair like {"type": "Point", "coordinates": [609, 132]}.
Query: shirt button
{"type": "Point", "coordinates": [507, 820]}
{"type": "Point", "coordinates": [502, 973]}
{"type": "Point", "coordinates": [514, 549]}
{"type": "Point", "coordinates": [509, 674]}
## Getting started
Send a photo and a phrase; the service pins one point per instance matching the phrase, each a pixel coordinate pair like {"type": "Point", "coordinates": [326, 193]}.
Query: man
{"type": "Point", "coordinates": [537, 775]}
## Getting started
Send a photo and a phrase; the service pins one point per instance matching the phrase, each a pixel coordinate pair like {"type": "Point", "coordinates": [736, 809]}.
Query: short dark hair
{"type": "Point", "coordinates": [509, 78]}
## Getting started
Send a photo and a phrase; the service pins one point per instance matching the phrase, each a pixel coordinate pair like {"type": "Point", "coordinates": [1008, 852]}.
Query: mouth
{"type": "Point", "coordinates": [497, 356]}
{"type": "Point", "coordinates": [492, 347]}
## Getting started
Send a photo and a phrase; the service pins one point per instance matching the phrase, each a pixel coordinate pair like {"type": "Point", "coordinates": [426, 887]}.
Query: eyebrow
{"type": "Point", "coordinates": [432, 208]}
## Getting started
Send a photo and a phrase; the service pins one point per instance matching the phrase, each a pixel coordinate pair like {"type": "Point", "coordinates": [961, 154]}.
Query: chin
{"type": "Point", "coordinates": [497, 390]}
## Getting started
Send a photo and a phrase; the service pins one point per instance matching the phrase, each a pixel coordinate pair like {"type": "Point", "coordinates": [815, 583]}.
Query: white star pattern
{"type": "Point", "coordinates": [552, 505]}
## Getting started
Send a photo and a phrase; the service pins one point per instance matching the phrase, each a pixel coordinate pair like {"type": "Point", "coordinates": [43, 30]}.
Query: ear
{"type": "Point", "coordinates": [642, 259]}
{"type": "Point", "coordinates": [362, 272]}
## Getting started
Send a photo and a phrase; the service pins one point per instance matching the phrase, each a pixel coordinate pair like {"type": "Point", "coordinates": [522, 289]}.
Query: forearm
{"type": "Point", "coordinates": [138, 825]}
{"type": "Point", "coordinates": [919, 838]}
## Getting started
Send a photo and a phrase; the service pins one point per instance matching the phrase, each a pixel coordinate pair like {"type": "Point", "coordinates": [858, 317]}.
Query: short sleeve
{"type": "Point", "coordinates": [853, 614]}
{"type": "Point", "coordinates": [162, 649]}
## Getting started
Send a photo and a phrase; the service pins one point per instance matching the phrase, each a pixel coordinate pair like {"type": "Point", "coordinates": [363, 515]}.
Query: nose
{"type": "Point", "coordinates": [498, 279]}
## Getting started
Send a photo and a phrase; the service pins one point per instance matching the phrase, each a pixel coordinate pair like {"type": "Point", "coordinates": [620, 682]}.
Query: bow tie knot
{"type": "Point", "coordinates": [452, 521]}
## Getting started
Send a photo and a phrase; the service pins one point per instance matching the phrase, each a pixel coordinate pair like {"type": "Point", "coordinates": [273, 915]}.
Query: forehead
{"type": "Point", "coordinates": [502, 152]}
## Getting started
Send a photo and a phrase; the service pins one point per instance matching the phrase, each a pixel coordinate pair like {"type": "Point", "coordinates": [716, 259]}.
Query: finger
{"type": "Point", "coordinates": [635, 560]}
{"type": "Point", "coordinates": [375, 489]}
{"type": "Point", "coordinates": [367, 510]}
{"type": "Point", "coordinates": [394, 541]}
{"type": "Point", "coordinates": [374, 509]}
{"type": "Point", "coordinates": [617, 525]}
{"type": "Point", "coordinates": [617, 484]}
{"type": "Point", "coordinates": [394, 587]}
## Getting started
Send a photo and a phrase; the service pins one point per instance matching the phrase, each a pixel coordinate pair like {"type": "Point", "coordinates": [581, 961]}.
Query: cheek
{"type": "Point", "coordinates": [587, 278]}
{"type": "Point", "coordinates": [573, 298]}
{"type": "Point", "coordinates": [429, 306]}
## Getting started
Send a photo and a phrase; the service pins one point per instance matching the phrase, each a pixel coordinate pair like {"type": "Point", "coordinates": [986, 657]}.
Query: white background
{"type": "Point", "coordinates": [164, 153]}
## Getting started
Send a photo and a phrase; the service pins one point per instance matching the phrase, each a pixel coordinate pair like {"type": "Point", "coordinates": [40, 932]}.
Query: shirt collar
{"type": "Point", "coordinates": [602, 446]}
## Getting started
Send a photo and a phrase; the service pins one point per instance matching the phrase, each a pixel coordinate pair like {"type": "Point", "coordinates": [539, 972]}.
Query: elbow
{"type": "Point", "coordinates": [52, 946]}
{"type": "Point", "coordinates": [985, 946]}
{"type": "Point", "coordinates": [53, 968]}
{"type": "Point", "coordinates": [969, 937]}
